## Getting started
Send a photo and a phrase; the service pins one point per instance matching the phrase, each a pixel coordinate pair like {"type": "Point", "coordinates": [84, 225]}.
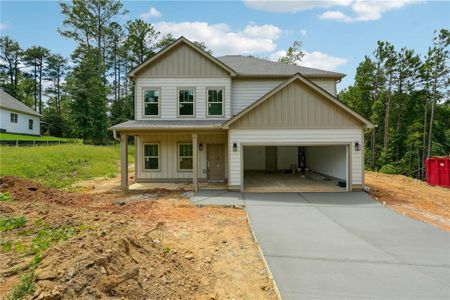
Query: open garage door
{"type": "Point", "coordinates": [323, 168]}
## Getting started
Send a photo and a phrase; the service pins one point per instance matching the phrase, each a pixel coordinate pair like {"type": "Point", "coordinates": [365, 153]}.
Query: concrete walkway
{"type": "Point", "coordinates": [347, 246]}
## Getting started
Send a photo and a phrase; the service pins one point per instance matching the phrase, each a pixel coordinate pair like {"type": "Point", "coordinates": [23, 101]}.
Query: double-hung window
{"type": "Point", "coordinates": [186, 105]}
{"type": "Point", "coordinates": [30, 124]}
{"type": "Point", "coordinates": [151, 102]}
{"type": "Point", "coordinates": [13, 118]}
{"type": "Point", "coordinates": [151, 157]}
{"type": "Point", "coordinates": [215, 102]}
{"type": "Point", "coordinates": [185, 157]}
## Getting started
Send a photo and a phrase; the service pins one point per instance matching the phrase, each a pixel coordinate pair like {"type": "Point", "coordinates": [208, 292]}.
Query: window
{"type": "Point", "coordinates": [30, 124]}
{"type": "Point", "coordinates": [151, 157]}
{"type": "Point", "coordinates": [185, 157]}
{"type": "Point", "coordinates": [151, 102]}
{"type": "Point", "coordinates": [14, 118]}
{"type": "Point", "coordinates": [186, 102]}
{"type": "Point", "coordinates": [215, 102]}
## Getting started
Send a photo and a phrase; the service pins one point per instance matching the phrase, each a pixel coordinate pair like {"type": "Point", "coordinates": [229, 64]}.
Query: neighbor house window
{"type": "Point", "coordinates": [186, 102]}
{"type": "Point", "coordinates": [30, 124]}
{"type": "Point", "coordinates": [14, 118]}
{"type": "Point", "coordinates": [215, 102]}
{"type": "Point", "coordinates": [185, 157]}
{"type": "Point", "coordinates": [151, 102]}
{"type": "Point", "coordinates": [151, 157]}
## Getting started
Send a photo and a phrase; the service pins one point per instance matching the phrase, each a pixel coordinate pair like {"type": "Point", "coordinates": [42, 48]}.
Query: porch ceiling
{"type": "Point", "coordinates": [134, 125]}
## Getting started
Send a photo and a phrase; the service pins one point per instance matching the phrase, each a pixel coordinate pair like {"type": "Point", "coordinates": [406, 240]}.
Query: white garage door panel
{"type": "Point", "coordinates": [293, 137]}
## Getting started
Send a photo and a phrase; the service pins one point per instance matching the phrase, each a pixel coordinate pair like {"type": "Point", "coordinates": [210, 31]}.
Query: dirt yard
{"type": "Point", "coordinates": [154, 245]}
{"type": "Point", "coordinates": [411, 197]}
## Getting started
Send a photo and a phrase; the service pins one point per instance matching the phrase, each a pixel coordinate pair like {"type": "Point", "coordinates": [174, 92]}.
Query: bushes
{"type": "Point", "coordinates": [390, 169]}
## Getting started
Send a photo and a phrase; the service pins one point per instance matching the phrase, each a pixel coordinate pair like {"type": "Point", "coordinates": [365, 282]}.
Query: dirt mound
{"type": "Point", "coordinates": [27, 190]}
{"type": "Point", "coordinates": [116, 265]}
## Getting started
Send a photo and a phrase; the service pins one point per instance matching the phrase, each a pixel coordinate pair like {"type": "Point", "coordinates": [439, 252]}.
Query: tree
{"type": "Point", "coordinates": [141, 41]}
{"type": "Point", "coordinates": [35, 57]}
{"type": "Point", "coordinates": [10, 55]}
{"type": "Point", "coordinates": [54, 72]}
{"type": "Point", "coordinates": [294, 54]}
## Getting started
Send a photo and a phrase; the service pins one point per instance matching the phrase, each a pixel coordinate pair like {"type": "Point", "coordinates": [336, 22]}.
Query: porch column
{"type": "Point", "coordinates": [195, 161]}
{"type": "Point", "coordinates": [123, 162]}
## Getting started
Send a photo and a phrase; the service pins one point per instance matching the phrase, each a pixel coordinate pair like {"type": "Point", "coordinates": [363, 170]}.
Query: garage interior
{"type": "Point", "coordinates": [295, 168]}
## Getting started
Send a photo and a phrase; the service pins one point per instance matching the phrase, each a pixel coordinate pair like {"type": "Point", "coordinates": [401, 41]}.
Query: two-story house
{"type": "Point", "coordinates": [247, 122]}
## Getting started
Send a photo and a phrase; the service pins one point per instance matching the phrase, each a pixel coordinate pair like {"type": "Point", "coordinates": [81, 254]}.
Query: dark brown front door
{"type": "Point", "coordinates": [216, 162]}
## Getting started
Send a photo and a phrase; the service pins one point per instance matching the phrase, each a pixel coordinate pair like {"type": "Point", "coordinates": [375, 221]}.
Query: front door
{"type": "Point", "coordinates": [216, 162]}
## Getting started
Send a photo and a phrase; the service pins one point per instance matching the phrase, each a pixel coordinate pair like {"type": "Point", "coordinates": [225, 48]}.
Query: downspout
{"type": "Point", "coordinates": [115, 136]}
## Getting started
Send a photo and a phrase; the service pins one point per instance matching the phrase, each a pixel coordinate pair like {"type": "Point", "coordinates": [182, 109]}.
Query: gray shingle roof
{"type": "Point", "coordinates": [9, 102]}
{"type": "Point", "coordinates": [166, 124]}
{"type": "Point", "coordinates": [251, 66]}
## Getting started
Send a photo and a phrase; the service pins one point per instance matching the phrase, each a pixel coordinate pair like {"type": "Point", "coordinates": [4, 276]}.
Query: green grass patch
{"type": "Point", "coordinates": [61, 165]}
{"type": "Point", "coordinates": [25, 287]}
{"type": "Point", "coordinates": [7, 224]}
{"type": "Point", "coordinates": [6, 197]}
{"type": "Point", "coordinates": [22, 137]}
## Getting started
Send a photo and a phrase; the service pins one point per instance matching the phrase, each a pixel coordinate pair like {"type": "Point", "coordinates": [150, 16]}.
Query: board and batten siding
{"type": "Point", "coordinates": [183, 61]}
{"type": "Point", "coordinates": [246, 91]}
{"type": "Point", "coordinates": [296, 106]}
{"type": "Point", "coordinates": [22, 122]}
{"type": "Point", "coordinates": [292, 137]}
{"type": "Point", "coordinates": [169, 96]}
{"type": "Point", "coordinates": [168, 156]}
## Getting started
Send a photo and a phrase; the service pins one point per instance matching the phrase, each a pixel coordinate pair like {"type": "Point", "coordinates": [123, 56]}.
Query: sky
{"type": "Point", "coordinates": [336, 34]}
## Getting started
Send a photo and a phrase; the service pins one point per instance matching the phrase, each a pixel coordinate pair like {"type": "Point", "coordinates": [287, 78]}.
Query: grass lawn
{"type": "Point", "coordinates": [22, 137]}
{"type": "Point", "coordinates": [61, 165]}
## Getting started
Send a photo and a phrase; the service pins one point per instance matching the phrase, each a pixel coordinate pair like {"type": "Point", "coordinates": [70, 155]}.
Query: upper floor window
{"type": "Point", "coordinates": [215, 102]}
{"type": "Point", "coordinates": [186, 105]}
{"type": "Point", "coordinates": [151, 157]}
{"type": "Point", "coordinates": [30, 124]}
{"type": "Point", "coordinates": [151, 102]}
{"type": "Point", "coordinates": [14, 117]}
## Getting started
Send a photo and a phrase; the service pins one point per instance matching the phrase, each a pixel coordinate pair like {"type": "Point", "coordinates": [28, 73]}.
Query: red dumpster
{"type": "Point", "coordinates": [438, 171]}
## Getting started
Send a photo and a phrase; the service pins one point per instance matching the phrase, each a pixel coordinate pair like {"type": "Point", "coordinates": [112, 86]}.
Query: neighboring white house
{"type": "Point", "coordinates": [250, 123]}
{"type": "Point", "coordinates": [16, 117]}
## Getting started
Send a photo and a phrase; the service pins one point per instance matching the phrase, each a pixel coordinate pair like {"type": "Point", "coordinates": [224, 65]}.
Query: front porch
{"type": "Point", "coordinates": [175, 159]}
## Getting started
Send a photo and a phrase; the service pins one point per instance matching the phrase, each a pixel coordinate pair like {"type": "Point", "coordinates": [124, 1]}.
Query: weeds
{"type": "Point", "coordinates": [6, 197]}
{"type": "Point", "coordinates": [6, 246]}
{"type": "Point", "coordinates": [7, 224]}
{"type": "Point", "coordinates": [25, 287]}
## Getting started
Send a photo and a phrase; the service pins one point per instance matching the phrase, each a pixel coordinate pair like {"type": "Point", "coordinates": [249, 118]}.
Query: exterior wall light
{"type": "Point", "coordinates": [234, 147]}
{"type": "Point", "coordinates": [357, 146]}
{"type": "Point", "coordinates": [200, 146]}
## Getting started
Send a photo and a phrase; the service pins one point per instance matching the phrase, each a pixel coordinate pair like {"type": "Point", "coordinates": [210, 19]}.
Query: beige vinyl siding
{"type": "Point", "coordinates": [293, 137]}
{"type": "Point", "coordinates": [169, 95]}
{"type": "Point", "coordinates": [296, 106]}
{"type": "Point", "coordinates": [246, 91]}
{"type": "Point", "coordinates": [168, 154]}
{"type": "Point", "coordinates": [182, 61]}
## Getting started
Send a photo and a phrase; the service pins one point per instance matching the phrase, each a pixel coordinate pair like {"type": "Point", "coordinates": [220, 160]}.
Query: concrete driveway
{"type": "Point", "coordinates": [347, 246]}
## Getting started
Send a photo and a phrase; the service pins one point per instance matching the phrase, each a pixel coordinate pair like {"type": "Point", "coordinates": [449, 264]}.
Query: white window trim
{"type": "Point", "coordinates": [30, 122]}
{"type": "Point", "coordinates": [223, 101]}
{"type": "Point", "coordinates": [14, 120]}
{"type": "Point", "coordinates": [144, 156]}
{"type": "Point", "coordinates": [194, 103]}
{"type": "Point", "coordinates": [178, 157]}
{"type": "Point", "coordinates": [151, 88]}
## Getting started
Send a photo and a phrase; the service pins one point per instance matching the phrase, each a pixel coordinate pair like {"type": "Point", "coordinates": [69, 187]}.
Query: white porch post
{"type": "Point", "coordinates": [195, 161]}
{"type": "Point", "coordinates": [123, 162]}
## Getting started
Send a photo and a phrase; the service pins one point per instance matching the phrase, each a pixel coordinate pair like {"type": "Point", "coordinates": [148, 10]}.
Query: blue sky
{"type": "Point", "coordinates": [336, 34]}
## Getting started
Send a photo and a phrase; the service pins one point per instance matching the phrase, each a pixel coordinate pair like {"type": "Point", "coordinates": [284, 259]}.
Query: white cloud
{"type": "Point", "coordinates": [366, 10]}
{"type": "Point", "coordinates": [359, 10]}
{"type": "Point", "coordinates": [303, 32]}
{"type": "Point", "coordinates": [222, 40]}
{"type": "Point", "coordinates": [3, 26]}
{"type": "Point", "coordinates": [152, 13]}
{"type": "Point", "coordinates": [315, 59]}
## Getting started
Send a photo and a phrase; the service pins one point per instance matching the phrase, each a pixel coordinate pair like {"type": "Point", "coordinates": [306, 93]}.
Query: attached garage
{"type": "Point", "coordinates": [298, 137]}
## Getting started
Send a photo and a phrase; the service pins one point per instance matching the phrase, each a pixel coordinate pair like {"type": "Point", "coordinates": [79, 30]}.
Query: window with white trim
{"type": "Point", "coordinates": [185, 160]}
{"type": "Point", "coordinates": [151, 102]}
{"type": "Point", "coordinates": [151, 157]}
{"type": "Point", "coordinates": [215, 102]}
{"type": "Point", "coordinates": [14, 117]}
{"type": "Point", "coordinates": [186, 102]}
{"type": "Point", "coordinates": [30, 124]}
